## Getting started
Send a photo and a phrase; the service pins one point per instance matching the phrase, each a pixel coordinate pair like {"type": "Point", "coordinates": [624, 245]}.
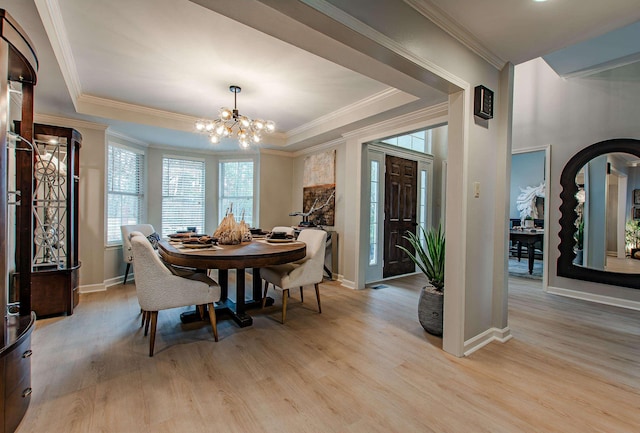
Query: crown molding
{"type": "Point", "coordinates": [601, 67]}
{"type": "Point", "coordinates": [376, 98]}
{"type": "Point", "coordinates": [319, 147]}
{"type": "Point", "coordinates": [276, 152]}
{"type": "Point", "coordinates": [66, 122]}
{"type": "Point", "coordinates": [429, 113]}
{"type": "Point", "coordinates": [443, 20]}
{"type": "Point", "coordinates": [53, 23]}
{"type": "Point", "coordinates": [116, 134]}
{"type": "Point", "coordinates": [88, 101]}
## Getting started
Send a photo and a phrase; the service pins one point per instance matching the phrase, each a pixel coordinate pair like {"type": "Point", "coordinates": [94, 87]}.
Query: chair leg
{"type": "Point", "coordinates": [264, 295]}
{"type": "Point", "coordinates": [126, 273]}
{"type": "Point", "coordinates": [147, 318]}
{"type": "Point", "coordinates": [201, 311]}
{"type": "Point", "coordinates": [284, 304]}
{"type": "Point", "coordinates": [212, 318]}
{"type": "Point", "coordinates": [143, 314]}
{"type": "Point", "coordinates": [152, 339]}
{"type": "Point", "coordinates": [301, 295]}
{"type": "Point", "coordinates": [318, 298]}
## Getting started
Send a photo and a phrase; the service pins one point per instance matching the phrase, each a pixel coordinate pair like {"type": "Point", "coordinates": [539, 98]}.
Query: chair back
{"type": "Point", "coordinates": [151, 273]}
{"type": "Point", "coordinates": [144, 229]}
{"type": "Point", "coordinates": [286, 229]}
{"type": "Point", "coordinates": [316, 244]}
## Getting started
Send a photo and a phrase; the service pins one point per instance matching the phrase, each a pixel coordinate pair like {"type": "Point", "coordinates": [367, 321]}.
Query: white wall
{"type": "Point", "coordinates": [570, 115]}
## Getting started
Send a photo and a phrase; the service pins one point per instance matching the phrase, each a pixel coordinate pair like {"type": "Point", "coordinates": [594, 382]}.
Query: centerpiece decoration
{"type": "Point", "coordinates": [231, 232]}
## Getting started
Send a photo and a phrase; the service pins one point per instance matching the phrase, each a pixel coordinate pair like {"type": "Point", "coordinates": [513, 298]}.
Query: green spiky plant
{"type": "Point", "coordinates": [430, 257]}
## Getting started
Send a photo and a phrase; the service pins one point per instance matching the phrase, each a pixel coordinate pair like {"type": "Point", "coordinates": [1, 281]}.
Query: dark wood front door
{"type": "Point", "coordinates": [400, 208]}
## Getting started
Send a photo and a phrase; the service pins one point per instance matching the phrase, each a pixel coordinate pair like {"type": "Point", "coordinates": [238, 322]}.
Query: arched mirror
{"type": "Point", "coordinates": [600, 214]}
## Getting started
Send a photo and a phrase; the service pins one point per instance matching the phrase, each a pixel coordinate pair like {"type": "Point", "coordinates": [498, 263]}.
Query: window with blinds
{"type": "Point", "coordinates": [182, 195]}
{"type": "Point", "coordinates": [125, 198]}
{"type": "Point", "coordinates": [236, 187]}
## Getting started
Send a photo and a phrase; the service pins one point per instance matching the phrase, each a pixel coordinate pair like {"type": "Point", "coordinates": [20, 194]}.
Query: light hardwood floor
{"type": "Point", "coordinates": [363, 365]}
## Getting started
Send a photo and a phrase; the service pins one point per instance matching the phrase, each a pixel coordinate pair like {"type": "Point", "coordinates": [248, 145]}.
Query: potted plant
{"type": "Point", "coordinates": [528, 222]}
{"type": "Point", "coordinates": [429, 257]}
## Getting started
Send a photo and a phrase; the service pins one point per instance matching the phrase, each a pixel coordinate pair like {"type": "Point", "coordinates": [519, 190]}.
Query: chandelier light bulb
{"type": "Point", "coordinates": [270, 126]}
{"type": "Point", "coordinates": [258, 124]}
{"type": "Point", "coordinates": [231, 122]}
{"type": "Point", "coordinates": [225, 114]}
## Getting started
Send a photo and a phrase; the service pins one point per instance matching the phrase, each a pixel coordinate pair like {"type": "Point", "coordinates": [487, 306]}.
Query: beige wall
{"type": "Point", "coordinates": [343, 176]}
{"type": "Point", "coordinates": [275, 190]}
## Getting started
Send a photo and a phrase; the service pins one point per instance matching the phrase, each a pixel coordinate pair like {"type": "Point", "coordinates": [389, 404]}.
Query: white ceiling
{"type": "Point", "coordinates": [149, 68]}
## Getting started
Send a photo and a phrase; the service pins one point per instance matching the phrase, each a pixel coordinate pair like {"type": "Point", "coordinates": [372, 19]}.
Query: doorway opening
{"type": "Point", "coordinates": [404, 179]}
{"type": "Point", "coordinates": [528, 215]}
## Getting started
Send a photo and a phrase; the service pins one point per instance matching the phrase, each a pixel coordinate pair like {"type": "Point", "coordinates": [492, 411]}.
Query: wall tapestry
{"type": "Point", "coordinates": [319, 187]}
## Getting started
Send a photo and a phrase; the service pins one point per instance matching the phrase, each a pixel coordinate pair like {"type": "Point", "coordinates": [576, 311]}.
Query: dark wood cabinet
{"type": "Point", "coordinates": [18, 67]}
{"type": "Point", "coordinates": [53, 239]}
{"type": "Point", "coordinates": [15, 372]}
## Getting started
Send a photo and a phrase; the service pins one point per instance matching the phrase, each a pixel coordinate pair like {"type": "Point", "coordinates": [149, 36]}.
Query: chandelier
{"type": "Point", "coordinates": [231, 123]}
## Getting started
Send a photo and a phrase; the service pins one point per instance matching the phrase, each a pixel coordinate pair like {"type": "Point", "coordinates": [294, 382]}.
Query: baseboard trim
{"type": "Point", "coordinates": [600, 299]}
{"type": "Point", "coordinates": [91, 288]}
{"type": "Point", "coordinates": [481, 340]}
{"type": "Point", "coordinates": [347, 283]}
{"type": "Point", "coordinates": [117, 280]}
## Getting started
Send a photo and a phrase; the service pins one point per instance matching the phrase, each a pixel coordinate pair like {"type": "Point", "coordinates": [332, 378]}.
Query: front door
{"type": "Point", "coordinates": [400, 208]}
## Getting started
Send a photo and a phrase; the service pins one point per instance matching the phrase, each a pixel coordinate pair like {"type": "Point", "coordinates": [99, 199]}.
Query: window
{"type": "Point", "coordinates": [182, 195]}
{"type": "Point", "coordinates": [236, 188]}
{"type": "Point", "coordinates": [125, 171]}
{"type": "Point", "coordinates": [413, 141]}
{"type": "Point", "coordinates": [373, 214]}
{"type": "Point", "coordinates": [422, 218]}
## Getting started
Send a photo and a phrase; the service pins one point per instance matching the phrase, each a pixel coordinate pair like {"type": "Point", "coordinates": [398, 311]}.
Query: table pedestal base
{"type": "Point", "coordinates": [225, 309]}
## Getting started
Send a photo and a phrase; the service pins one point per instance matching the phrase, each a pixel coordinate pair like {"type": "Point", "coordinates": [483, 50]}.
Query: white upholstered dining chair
{"type": "Point", "coordinates": [126, 230]}
{"type": "Point", "coordinates": [159, 289]}
{"type": "Point", "coordinates": [286, 229]}
{"type": "Point", "coordinates": [304, 272]}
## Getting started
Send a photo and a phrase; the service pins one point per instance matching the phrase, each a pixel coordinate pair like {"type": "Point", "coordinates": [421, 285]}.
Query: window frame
{"type": "Point", "coordinates": [201, 161]}
{"type": "Point", "coordinates": [142, 190]}
{"type": "Point", "coordinates": [220, 197]}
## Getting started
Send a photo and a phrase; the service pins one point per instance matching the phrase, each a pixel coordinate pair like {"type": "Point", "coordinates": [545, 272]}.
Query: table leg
{"type": "Point", "coordinates": [531, 253]}
{"type": "Point", "coordinates": [257, 285]}
{"type": "Point", "coordinates": [519, 244]}
{"type": "Point", "coordinates": [223, 280]}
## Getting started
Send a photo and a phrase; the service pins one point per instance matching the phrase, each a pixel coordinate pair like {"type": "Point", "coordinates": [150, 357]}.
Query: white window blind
{"type": "Point", "coordinates": [182, 195]}
{"type": "Point", "coordinates": [125, 171]}
{"type": "Point", "coordinates": [236, 186]}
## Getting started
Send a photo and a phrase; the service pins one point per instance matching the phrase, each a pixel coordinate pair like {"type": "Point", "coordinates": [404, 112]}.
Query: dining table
{"type": "Point", "coordinates": [254, 255]}
{"type": "Point", "coordinates": [529, 238]}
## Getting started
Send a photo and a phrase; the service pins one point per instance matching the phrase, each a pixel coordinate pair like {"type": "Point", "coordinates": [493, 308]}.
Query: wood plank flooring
{"type": "Point", "coordinates": [363, 365]}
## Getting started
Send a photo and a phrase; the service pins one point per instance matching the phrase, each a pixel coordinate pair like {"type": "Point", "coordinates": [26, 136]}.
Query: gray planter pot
{"type": "Point", "coordinates": [430, 307]}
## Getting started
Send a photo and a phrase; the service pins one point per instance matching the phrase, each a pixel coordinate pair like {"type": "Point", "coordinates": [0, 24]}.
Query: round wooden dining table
{"type": "Point", "coordinates": [255, 254]}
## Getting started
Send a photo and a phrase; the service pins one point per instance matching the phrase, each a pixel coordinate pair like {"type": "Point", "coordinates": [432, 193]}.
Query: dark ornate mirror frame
{"type": "Point", "coordinates": [566, 268]}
